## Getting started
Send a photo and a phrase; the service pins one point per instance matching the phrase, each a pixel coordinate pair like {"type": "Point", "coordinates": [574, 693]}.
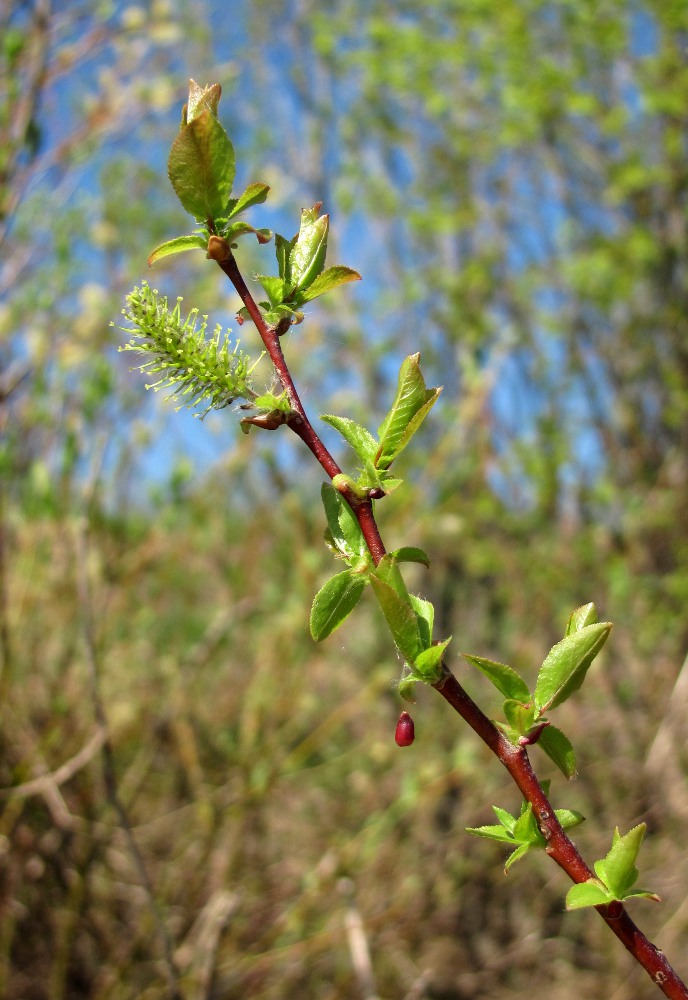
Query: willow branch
{"type": "Point", "coordinates": [560, 847]}
{"type": "Point", "coordinates": [298, 420]}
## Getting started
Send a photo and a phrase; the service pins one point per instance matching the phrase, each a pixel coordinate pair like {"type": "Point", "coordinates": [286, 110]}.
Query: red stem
{"type": "Point", "coordinates": [298, 421]}
{"type": "Point", "coordinates": [514, 758]}
{"type": "Point", "coordinates": [559, 846]}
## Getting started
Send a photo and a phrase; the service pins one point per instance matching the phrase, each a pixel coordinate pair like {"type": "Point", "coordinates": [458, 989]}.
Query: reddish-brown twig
{"type": "Point", "coordinates": [514, 758]}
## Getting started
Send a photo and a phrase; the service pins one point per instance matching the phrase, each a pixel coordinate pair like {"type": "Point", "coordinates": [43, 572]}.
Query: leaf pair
{"type": "Point", "coordinates": [335, 601]}
{"type": "Point", "coordinates": [201, 168]}
{"type": "Point", "coordinates": [560, 675]}
{"type": "Point", "coordinates": [616, 875]}
{"type": "Point", "coordinates": [410, 618]}
{"type": "Point", "coordinates": [301, 263]}
{"type": "Point", "coordinates": [522, 832]}
{"type": "Point", "coordinates": [412, 403]}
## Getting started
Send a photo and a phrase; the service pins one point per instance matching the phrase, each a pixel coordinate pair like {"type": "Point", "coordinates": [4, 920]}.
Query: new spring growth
{"type": "Point", "coordinates": [197, 369]}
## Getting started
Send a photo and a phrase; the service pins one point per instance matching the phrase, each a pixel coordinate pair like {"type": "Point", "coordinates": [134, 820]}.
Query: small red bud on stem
{"type": "Point", "coordinates": [405, 731]}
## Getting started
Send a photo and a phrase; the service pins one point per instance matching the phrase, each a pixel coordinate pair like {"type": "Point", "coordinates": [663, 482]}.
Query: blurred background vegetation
{"type": "Point", "coordinates": [512, 181]}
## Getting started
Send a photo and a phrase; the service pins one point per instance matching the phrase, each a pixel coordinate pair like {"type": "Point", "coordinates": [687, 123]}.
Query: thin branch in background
{"type": "Point", "coordinates": [108, 758]}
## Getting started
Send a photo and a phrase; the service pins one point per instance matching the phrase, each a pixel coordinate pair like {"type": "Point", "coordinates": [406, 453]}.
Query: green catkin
{"type": "Point", "coordinates": [198, 371]}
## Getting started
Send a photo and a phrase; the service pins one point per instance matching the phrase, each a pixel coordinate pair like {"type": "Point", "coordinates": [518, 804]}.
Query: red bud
{"type": "Point", "coordinates": [405, 731]}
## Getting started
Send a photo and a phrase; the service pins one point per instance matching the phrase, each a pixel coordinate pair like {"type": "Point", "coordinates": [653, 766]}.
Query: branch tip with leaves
{"type": "Point", "coordinates": [209, 371]}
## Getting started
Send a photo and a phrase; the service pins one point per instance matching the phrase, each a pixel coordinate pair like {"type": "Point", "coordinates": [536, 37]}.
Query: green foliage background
{"type": "Point", "coordinates": [512, 184]}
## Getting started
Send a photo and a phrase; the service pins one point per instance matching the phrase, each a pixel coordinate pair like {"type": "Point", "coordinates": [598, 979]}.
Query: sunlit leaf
{"type": "Point", "coordinates": [201, 166]}
{"type": "Point", "coordinates": [565, 666]}
{"type": "Point", "coordinates": [178, 245]}
{"type": "Point", "coordinates": [334, 602]}
{"type": "Point", "coordinates": [504, 678]}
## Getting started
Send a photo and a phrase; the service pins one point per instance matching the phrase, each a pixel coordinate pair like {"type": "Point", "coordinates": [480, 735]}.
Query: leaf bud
{"type": "Point", "coordinates": [218, 249]}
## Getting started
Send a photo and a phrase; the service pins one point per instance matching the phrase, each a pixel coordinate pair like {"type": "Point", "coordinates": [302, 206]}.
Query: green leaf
{"type": "Point", "coordinates": [360, 439]}
{"type": "Point", "coordinates": [565, 666]}
{"type": "Point", "coordinates": [520, 717]}
{"type": "Point", "coordinates": [388, 570]}
{"type": "Point", "coordinates": [345, 529]}
{"type": "Point", "coordinates": [307, 259]}
{"type": "Point", "coordinates": [569, 818]}
{"type": "Point", "coordinates": [178, 245]}
{"type": "Point", "coordinates": [274, 288]}
{"type": "Point", "coordinates": [400, 618]}
{"type": "Point", "coordinates": [526, 830]}
{"type": "Point", "coordinates": [559, 749]}
{"type": "Point", "coordinates": [329, 279]}
{"type": "Point", "coordinates": [491, 833]}
{"type": "Point", "coordinates": [425, 613]}
{"type": "Point", "coordinates": [334, 602]}
{"type": "Point", "coordinates": [254, 194]}
{"type": "Point", "coordinates": [201, 166]}
{"type": "Point", "coordinates": [429, 663]}
{"type": "Point", "coordinates": [617, 870]}
{"type": "Point", "coordinates": [505, 818]}
{"type": "Point", "coordinates": [407, 688]}
{"type": "Point", "coordinates": [507, 681]}
{"type": "Point", "coordinates": [643, 894]}
{"type": "Point", "coordinates": [409, 553]}
{"type": "Point", "coordinates": [516, 855]}
{"type": "Point", "coordinates": [283, 249]}
{"type": "Point", "coordinates": [590, 893]}
{"type": "Point", "coordinates": [585, 615]}
{"type": "Point", "coordinates": [418, 419]}
{"type": "Point", "coordinates": [237, 229]}
{"type": "Point", "coordinates": [412, 400]}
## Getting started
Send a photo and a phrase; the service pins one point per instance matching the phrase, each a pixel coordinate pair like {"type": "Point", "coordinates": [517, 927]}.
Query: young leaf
{"type": "Point", "coordinates": [178, 245]}
{"type": "Point", "coordinates": [400, 617]}
{"type": "Point", "coordinates": [274, 288]}
{"type": "Point", "coordinates": [412, 399]}
{"type": "Point", "coordinates": [526, 830]}
{"type": "Point", "coordinates": [345, 528]}
{"type": "Point", "coordinates": [491, 833]}
{"type": "Point", "coordinates": [515, 856]}
{"type": "Point", "coordinates": [505, 818]}
{"type": "Point", "coordinates": [569, 818]}
{"type": "Point", "coordinates": [558, 748]}
{"type": "Point", "coordinates": [429, 663]}
{"type": "Point", "coordinates": [590, 893]}
{"type": "Point", "coordinates": [201, 166]}
{"type": "Point", "coordinates": [236, 229]}
{"type": "Point", "coordinates": [425, 613]}
{"type": "Point", "coordinates": [283, 249]}
{"type": "Point", "coordinates": [334, 602]}
{"type": "Point", "coordinates": [360, 439]}
{"type": "Point", "coordinates": [617, 870]}
{"type": "Point", "coordinates": [566, 664]}
{"type": "Point", "coordinates": [201, 98]}
{"type": "Point", "coordinates": [417, 419]}
{"type": "Point", "coordinates": [507, 681]}
{"type": "Point", "coordinates": [409, 553]}
{"type": "Point", "coordinates": [388, 570]}
{"type": "Point", "coordinates": [585, 615]}
{"type": "Point", "coordinates": [520, 717]}
{"type": "Point", "coordinates": [407, 687]}
{"type": "Point", "coordinates": [329, 279]}
{"type": "Point", "coordinates": [307, 259]}
{"type": "Point", "coordinates": [254, 194]}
